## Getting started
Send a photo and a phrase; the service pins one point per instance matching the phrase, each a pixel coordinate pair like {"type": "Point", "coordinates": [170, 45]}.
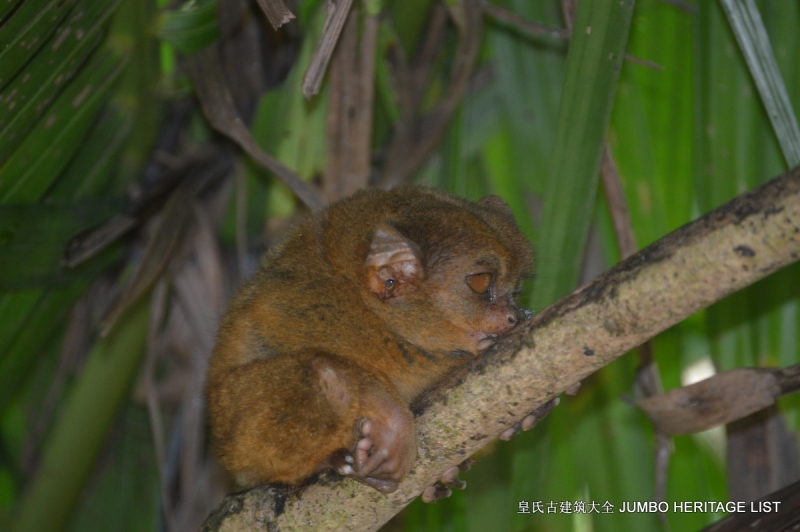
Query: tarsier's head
{"type": "Point", "coordinates": [444, 273]}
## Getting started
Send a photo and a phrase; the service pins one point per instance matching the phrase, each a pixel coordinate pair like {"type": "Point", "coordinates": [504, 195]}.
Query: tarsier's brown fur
{"type": "Point", "coordinates": [366, 305]}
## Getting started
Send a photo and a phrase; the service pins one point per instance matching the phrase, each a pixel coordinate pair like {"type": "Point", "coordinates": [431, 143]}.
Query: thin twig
{"type": "Point", "coordinates": [682, 5]}
{"type": "Point", "coordinates": [157, 312]}
{"type": "Point", "coordinates": [437, 24]}
{"type": "Point", "coordinates": [533, 28]}
{"type": "Point", "coordinates": [618, 205]}
{"type": "Point", "coordinates": [241, 218]}
{"type": "Point", "coordinates": [644, 62]}
{"type": "Point", "coordinates": [537, 28]}
{"type": "Point", "coordinates": [416, 138]}
{"type": "Point", "coordinates": [312, 79]}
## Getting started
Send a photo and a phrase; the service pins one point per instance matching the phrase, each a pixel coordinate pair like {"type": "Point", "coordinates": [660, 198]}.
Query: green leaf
{"type": "Point", "coordinates": [383, 76]}
{"type": "Point", "coordinates": [751, 35]}
{"type": "Point", "coordinates": [89, 173]}
{"type": "Point", "coordinates": [530, 77]}
{"type": "Point", "coordinates": [33, 89]}
{"type": "Point", "coordinates": [42, 322]}
{"type": "Point", "coordinates": [28, 29]}
{"type": "Point", "coordinates": [125, 496]}
{"type": "Point", "coordinates": [593, 64]}
{"type": "Point", "coordinates": [192, 27]}
{"type": "Point", "coordinates": [736, 151]}
{"type": "Point", "coordinates": [33, 238]}
{"type": "Point", "coordinates": [80, 430]}
{"type": "Point", "coordinates": [652, 135]}
{"type": "Point", "coordinates": [37, 162]}
{"type": "Point", "coordinates": [7, 7]}
{"type": "Point", "coordinates": [15, 308]}
{"type": "Point", "coordinates": [291, 128]}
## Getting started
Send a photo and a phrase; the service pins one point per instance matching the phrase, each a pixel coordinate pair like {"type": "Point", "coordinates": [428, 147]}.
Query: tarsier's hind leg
{"type": "Point", "coordinates": [386, 446]}
{"type": "Point", "coordinates": [284, 418]}
{"type": "Point", "coordinates": [273, 421]}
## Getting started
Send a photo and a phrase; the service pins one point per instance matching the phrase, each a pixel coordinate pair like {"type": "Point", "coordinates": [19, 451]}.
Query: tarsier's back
{"type": "Point", "coordinates": [365, 305]}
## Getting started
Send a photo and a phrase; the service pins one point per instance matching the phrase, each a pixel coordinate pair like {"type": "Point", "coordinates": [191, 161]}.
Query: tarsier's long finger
{"type": "Point", "coordinates": [368, 457]}
{"type": "Point", "coordinates": [540, 413]}
{"type": "Point", "coordinates": [529, 421]}
{"type": "Point", "coordinates": [362, 452]}
{"type": "Point", "coordinates": [385, 486]}
{"type": "Point", "coordinates": [375, 459]}
{"type": "Point", "coordinates": [466, 465]}
{"type": "Point", "coordinates": [450, 474]}
{"type": "Point", "coordinates": [450, 478]}
{"type": "Point", "coordinates": [511, 431]}
{"type": "Point", "coordinates": [435, 493]}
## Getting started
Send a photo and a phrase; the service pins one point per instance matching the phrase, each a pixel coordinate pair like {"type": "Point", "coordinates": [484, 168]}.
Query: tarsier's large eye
{"type": "Point", "coordinates": [390, 285]}
{"type": "Point", "coordinates": [479, 282]}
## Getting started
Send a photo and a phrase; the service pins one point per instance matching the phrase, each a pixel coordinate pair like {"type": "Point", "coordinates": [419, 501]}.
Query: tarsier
{"type": "Point", "coordinates": [365, 306]}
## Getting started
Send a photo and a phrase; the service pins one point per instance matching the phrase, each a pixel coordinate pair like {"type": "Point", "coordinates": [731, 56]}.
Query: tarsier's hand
{"type": "Point", "coordinates": [385, 450]}
{"type": "Point", "coordinates": [449, 478]}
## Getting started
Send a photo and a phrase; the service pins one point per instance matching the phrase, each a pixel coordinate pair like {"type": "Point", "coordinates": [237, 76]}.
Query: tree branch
{"type": "Point", "coordinates": [688, 270]}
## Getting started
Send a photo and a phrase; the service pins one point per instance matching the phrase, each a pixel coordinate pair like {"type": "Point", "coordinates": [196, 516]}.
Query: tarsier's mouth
{"type": "Point", "coordinates": [486, 341]}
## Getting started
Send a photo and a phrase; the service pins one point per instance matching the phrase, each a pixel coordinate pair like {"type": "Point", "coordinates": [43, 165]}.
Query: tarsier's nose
{"type": "Point", "coordinates": [501, 319]}
{"type": "Point", "coordinates": [512, 318]}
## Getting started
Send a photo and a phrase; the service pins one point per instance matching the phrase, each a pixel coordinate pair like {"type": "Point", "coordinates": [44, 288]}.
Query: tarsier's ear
{"type": "Point", "coordinates": [498, 205]}
{"type": "Point", "coordinates": [393, 263]}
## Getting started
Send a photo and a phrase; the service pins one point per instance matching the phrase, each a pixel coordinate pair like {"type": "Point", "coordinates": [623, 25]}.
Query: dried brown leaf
{"type": "Point", "coordinates": [89, 243]}
{"type": "Point", "coordinates": [719, 399]}
{"type": "Point", "coordinates": [217, 104]}
{"type": "Point", "coordinates": [276, 12]}
{"type": "Point", "coordinates": [176, 212]}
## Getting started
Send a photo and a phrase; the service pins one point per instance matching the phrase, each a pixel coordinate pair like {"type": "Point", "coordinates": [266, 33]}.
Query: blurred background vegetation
{"type": "Point", "coordinates": [127, 220]}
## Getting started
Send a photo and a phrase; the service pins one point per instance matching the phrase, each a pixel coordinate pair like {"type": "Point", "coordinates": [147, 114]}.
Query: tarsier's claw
{"type": "Point", "coordinates": [545, 409]}
{"type": "Point", "coordinates": [450, 475]}
{"type": "Point", "coordinates": [530, 421]}
{"type": "Point", "coordinates": [435, 493]}
{"type": "Point", "coordinates": [450, 478]}
{"type": "Point", "coordinates": [457, 484]}
{"type": "Point", "coordinates": [573, 390]}
{"type": "Point", "coordinates": [510, 431]}
{"type": "Point", "coordinates": [466, 465]}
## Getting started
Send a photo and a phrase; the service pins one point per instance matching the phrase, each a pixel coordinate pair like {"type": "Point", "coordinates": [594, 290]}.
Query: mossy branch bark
{"type": "Point", "coordinates": [724, 251]}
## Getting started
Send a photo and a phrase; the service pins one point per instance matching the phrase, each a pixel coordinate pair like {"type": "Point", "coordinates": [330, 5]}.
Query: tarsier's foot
{"type": "Point", "coordinates": [385, 450]}
{"type": "Point", "coordinates": [449, 479]}
{"type": "Point", "coordinates": [344, 463]}
{"type": "Point", "coordinates": [529, 421]}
